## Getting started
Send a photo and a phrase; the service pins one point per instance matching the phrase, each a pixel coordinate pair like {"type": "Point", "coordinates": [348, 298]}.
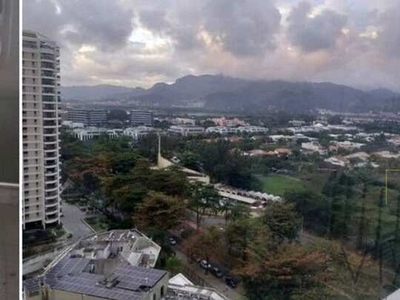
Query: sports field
{"type": "Point", "coordinates": [279, 184]}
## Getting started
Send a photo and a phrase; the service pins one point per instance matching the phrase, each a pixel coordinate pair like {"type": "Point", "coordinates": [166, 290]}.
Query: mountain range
{"type": "Point", "coordinates": [222, 93]}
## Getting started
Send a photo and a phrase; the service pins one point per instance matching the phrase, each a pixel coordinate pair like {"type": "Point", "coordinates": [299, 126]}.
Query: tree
{"type": "Point", "coordinates": [169, 181]}
{"type": "Point", "coordinates": [174, 265]}
{"type": "Point", "coordinates": [363, 221]}
{"type": "Point", "coordinates": [239, 211]}
{"type": "Point", "coordinates": [160, 212]}
{"type": "Point", "coordinates": [117, 114]}
{"type": "Point", "coordinates": [203, 198]}
{"type": "Point", "coordinates": [190, 160]}
{"type": "Point", "coordinates": [283, 271]}
{"type": "Point", "coordinates": [282, 220]}
{"type": "Point", "coordinates": [313, 207]}
{"type": "Point", "coordinates": [123, 162]}
{"type": "Point", "coordinates": [237, 236]}
{"type": "Point", "coordinates": [206, 244]}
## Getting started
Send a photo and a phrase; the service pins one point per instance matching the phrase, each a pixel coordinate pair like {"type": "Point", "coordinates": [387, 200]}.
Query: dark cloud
{"type": "Point", "coordinates": [102, 23]}
{"type": "Point", "coordinates": [269, 39]}
{"type": "Point", "coordinates": [243, 27]}
{"type": "Point", "coordinates": [317, 33]}
{"type": "Point", "coordinates": [389, 31]}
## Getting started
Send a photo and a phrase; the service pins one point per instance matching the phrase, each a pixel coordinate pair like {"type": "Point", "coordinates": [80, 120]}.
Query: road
{"type": "Point", "coordinates": [211, 281]}
{"type": "Point", "coordinates": [207, 221]}
{"type": "Point", "coordinates": [72, 221]}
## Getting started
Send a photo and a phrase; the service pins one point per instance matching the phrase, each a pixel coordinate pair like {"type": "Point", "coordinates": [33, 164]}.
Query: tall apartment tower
{"type": "Point", "coordinates": [41, 123]}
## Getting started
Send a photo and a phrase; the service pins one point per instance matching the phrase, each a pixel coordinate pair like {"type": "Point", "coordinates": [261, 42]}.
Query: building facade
{"type": "Point", "coordinates": [89, 117]}
{"type": "Point", "coordinates": [142, 117]}
{"type": "Point", "coordinates": [185, 130]}
{"type": "Point", "coordinates": [40, 122]}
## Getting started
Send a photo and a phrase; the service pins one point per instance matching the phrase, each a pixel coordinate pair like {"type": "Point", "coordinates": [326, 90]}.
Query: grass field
{"type": "Point", "coordinates": [279, 184]}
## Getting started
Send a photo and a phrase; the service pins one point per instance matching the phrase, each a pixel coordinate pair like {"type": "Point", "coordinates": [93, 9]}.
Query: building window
{"type": "Point", "coordinates": [162, 291]}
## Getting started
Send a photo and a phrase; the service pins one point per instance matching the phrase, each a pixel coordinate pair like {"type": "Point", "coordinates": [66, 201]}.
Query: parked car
{"type": "Point", "coordinates": [173, 241]}
{"type": "Point", "coordinates": [205, 264]}
{"type": "Point", "coordinates": [231, 281]}
{"type": "Point", "coordinates": [216, 272]}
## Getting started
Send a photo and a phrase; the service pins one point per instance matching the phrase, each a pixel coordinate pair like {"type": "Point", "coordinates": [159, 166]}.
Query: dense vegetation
{"type": "Point", "coordinates": [325, 239]}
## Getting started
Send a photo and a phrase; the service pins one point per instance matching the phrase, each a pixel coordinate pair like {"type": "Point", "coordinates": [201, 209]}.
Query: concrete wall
{"type": "Point", "coordinates": [9, 242]}
{"type": "Point", "coordinates": [9, 95]}
{"type": "Point", "coordinates": [38, 262]}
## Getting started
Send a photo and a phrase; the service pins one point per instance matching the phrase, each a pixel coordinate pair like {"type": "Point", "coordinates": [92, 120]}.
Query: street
{"type": "Point", "coordinates": [72, 221]}
{"type": "Point", "coordinates": [216, 283]}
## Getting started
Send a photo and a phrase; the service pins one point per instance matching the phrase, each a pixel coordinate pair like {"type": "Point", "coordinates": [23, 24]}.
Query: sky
{"type": "Point", "coordinates": [142, 42]}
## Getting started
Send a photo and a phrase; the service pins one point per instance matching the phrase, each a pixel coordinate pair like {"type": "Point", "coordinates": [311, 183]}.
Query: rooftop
{"type": "Point", "coordinates": [110, 279]}
{"type": "Point", "coordinates": [112, 265]}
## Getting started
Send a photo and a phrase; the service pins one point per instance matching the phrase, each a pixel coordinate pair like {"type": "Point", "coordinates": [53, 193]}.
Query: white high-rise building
{"type": "Point", "coordinates": [41, 123]}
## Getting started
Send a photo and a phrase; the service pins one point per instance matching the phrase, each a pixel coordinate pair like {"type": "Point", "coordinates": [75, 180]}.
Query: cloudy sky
{"type": "Point", "coordinates": [141, 42]}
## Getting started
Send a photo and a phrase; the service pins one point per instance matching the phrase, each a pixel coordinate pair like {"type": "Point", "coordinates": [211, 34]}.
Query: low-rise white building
{"type": "Point", "coordinates": [183, 121]}
{"type": "Point", "coordinates": [186, 130]}
{"type": "Point", "coordinates": [138, 132]}
{"type": "Point", "coordinates": [347, 145]}
{"type": "Point", "coordinates": [229, 122]}
{"type": "Point", "coordinates": [86, 134]}
{"type": "Point", "coordinates": [313, 147]}
{"type": "Point", "coordinates": [252, 129]}
{"type": "Point", "coordinates": [72, 125]}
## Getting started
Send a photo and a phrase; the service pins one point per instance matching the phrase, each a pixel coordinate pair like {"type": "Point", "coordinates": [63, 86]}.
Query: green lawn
{"type": "Point", "coordinates": [279, 184]}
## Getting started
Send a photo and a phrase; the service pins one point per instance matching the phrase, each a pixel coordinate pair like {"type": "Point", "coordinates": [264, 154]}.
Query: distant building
{"type": "Point", "coordinates": [186, 130]}
{"type": "Point", "coordinates": [313, 147]}
{"type": "Point", "coordinates": [297, 123]}
{"type": "Point", "coordinates": [232, 122]}
{"type": "Point", "coordinates": [86, 134]}
{"type": "Point", "coordinates": [89, 117]}
{"type": "Point", "coordinates": [347, 145]}
{"type": "Point", "coordinates": [221, 130]}
{"type": "Point", "coordinates": [386, 154]}
{"type": "Point", "coordinates": [70, 124]}
{"type": "Point", "coordinates": [183, 121]}
{"type": "Point", "coordinates": [142, 117]}
{"type": "Point", "coordinates": [338, 161]}
{"type": "Point", "coordinates": [138, 132]}
{"type": "Point", "coordinates": [252, 129]}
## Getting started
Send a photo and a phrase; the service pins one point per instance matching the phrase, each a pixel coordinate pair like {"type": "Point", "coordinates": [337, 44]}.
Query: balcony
{"type": "Point", "coordinates": [47, 65]}
{"type": "Point", "coordinates": [47, 98]}
{"type": "Point", "coordinates": [51, 132]}
{"type": "Point", "coordinates": [46, 81]}
{"type": "Point", "coordinates": [48, 90]}
{"type": "Point", "coordinates": [49, 115]}
{"type": "Point", "coordinates": [51, 219]}
{"type": "Point", "coordinates": [46, 73]}
{"type": "Point", "coordinates": [48, 123]}
{"type": "Point", "coordinates": [47, 56]}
